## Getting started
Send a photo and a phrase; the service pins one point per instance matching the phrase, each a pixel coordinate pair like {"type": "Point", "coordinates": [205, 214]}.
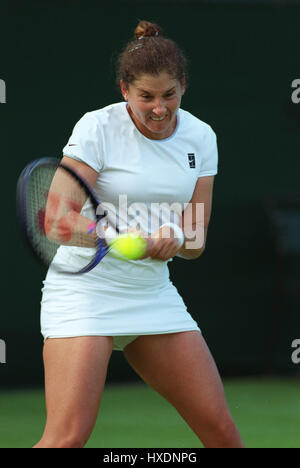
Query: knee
{"type": "Point", "coordinates": [68, 438]}
{"type": "Point", "coordinates": [224, 433]}
{"type": "Point", "coordinates": [71, 441]}
{"type": "Point", "coordinates": [228, 432]}
{"type": "Point", "coordinates": [60, 442]}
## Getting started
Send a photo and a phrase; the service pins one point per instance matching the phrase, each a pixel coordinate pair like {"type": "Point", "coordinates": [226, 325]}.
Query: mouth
{"type": "Point", "coordinates": [158, 119]}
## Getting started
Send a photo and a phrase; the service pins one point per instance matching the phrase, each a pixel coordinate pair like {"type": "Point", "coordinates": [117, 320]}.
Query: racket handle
{"type": "Point", "coordinates": [110, 235]}
{"type": "Point", "coordinates": [91, 228]}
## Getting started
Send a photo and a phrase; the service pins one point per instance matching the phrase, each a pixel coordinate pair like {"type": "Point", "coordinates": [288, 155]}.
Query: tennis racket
{"type": "Point", "coordinates": [56, 207]}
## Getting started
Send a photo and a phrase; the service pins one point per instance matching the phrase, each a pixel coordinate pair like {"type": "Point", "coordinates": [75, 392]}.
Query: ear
{"type": "Point", "coordinates": [183, 85]}
{"type": "Point", "coordinates": [124, 90]}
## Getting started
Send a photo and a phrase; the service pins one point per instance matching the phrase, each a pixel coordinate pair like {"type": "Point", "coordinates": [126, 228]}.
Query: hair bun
{"type": "Point", "coordinates": [147, 29]}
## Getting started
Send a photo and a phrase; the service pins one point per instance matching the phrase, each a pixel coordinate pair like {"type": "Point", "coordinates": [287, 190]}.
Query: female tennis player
{"type": "Point", "coordinates": [151, 151]}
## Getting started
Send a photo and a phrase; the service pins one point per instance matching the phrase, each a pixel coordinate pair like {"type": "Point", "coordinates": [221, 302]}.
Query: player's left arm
{"type": "Point", "coordinates": [195, 219]}
{"type": "Point", "coordinates": [194, 223]}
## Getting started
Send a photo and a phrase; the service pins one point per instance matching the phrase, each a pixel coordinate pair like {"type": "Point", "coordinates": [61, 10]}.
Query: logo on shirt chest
{"type": "Point", "coordinates": [192, 160]}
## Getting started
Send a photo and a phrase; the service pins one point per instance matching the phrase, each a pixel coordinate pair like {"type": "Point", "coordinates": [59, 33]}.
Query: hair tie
{"type": "Point", "coordinates": [135, 48]}
{"type": "Point", "coordinates": [142, 37]}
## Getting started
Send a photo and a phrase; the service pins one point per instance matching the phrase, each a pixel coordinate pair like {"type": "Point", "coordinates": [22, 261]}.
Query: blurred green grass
{"type": "Point", "coordinates": [267, 412]}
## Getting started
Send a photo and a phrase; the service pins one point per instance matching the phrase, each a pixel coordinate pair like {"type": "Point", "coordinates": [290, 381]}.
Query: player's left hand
{"type": "Point", "coordinates": [162, 244]}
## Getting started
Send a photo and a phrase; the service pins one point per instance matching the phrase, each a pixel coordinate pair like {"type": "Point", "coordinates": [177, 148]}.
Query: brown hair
{"type": "Point", "coordinates": [150, 53]}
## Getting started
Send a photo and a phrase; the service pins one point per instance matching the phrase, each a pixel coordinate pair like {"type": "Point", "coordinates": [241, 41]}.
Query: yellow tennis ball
{"type": "Point", "coordinates": [130, 246]}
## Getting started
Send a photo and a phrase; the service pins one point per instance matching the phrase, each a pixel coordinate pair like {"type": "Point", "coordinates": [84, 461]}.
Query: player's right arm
{"type": "Point", "coordinates": [64, 205]}
{"type": "Point", "coordinates": [86, 172]}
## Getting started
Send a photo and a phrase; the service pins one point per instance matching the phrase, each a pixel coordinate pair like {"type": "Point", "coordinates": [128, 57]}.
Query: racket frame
{"type": "Point", "coordinates": [101, 248]}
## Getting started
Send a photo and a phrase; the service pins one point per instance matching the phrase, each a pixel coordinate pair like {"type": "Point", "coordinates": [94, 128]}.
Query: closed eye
{"type": "Point", "coordinates": [169, 95]}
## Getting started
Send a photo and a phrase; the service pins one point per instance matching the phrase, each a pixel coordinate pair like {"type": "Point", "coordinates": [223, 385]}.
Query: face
{"type": "Point", "coordinates": [153, 102]}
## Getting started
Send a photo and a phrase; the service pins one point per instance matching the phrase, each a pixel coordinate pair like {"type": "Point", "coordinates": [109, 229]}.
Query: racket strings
{"type": "Point", "coordinates": [54, 203]}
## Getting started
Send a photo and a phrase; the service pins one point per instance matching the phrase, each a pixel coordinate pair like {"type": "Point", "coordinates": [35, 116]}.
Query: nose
{"type": "Point", "coordinates": [159, 108]}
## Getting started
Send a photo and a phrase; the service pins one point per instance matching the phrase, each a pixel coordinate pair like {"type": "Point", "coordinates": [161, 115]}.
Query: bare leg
{"type": "Point", "coordinates": [75, 374]}
{"type": "Point", "coordinates": [180, 367]}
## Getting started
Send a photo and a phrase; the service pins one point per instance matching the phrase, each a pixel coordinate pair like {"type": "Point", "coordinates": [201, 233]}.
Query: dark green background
{"type": "Point", "coordinates": [57, 59]}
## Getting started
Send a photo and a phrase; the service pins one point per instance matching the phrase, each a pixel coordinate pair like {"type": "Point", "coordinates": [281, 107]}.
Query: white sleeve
{"type": "Point", "coordinates": [209, 155]}
{"type": "Point", "coordinates": [85, 143]}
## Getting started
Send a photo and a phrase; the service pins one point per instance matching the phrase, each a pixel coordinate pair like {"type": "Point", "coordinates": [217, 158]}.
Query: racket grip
{"type": "Point", "coordinates": [110, 235]}
{"type": "Point", "coordinates": [91, 228]}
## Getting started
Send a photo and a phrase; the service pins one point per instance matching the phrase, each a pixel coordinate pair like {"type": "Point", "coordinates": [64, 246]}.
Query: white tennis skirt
{"type": "Point", "coordinates": [102, 304]}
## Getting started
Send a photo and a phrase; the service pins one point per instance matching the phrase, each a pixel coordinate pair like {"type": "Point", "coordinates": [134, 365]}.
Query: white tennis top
{"type": "Point", "coordinates": [142, 182]}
